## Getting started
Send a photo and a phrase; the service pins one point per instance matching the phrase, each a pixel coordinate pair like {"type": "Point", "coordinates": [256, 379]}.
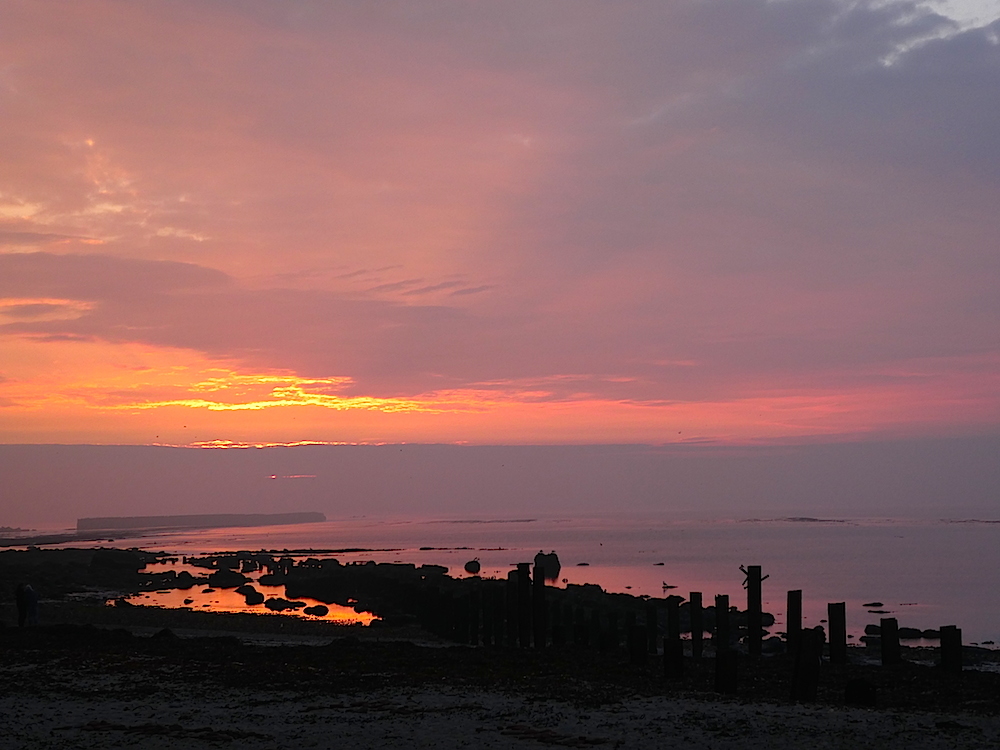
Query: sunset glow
{"type": "Point", "coordinates": [330, 223]}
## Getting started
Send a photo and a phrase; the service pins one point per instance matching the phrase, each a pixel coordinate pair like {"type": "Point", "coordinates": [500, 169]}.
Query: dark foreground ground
{"type": "Point", "coordinates": [110, 677]}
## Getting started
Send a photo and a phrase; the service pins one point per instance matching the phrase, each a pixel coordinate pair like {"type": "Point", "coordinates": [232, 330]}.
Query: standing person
{"type": "Point", "coordinates": [27, 604]}
{"type": "Point", "coordinates": [22, 604]}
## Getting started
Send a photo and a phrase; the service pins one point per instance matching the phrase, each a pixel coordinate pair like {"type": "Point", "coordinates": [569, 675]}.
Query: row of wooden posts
{"type": "Point", "coordinates": [516, 612]}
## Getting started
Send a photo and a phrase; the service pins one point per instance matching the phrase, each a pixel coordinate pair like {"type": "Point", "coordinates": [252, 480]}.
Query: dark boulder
{"type": "Point", "coordinates": [277, 604]}
{"type": "Point", "coordinates": [319, 610]}
{"type": "Point", "coordinates": [226, 579]}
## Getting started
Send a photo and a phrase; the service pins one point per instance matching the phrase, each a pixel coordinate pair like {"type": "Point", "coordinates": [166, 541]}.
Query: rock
{"type": "Point", "coordinates": [318, 611]}
{"type": "Point", "coordinates": [873, 604]}
{"type": "Point", "coordinates": [188, 601]}
{"type": "Point", "coordinates": [277, 604]}
{"type": "Point", "coordinates": [472, 567]}
{"type": "Point", "coordinates": [873, 630]}
{"type": "Point", "coordinates": [166, 634]}
{"type": "Point", "coordinates": [932, 634]}
{"type": "Point", "coordinates": [226, 579]}
{"type": "Point", "coordinates": [253, 598]}
{"type": "Point", "coordinates": [246, 588]}
{"type": "Point", "coordinates": [910, 634]}
{"type": "Point", "coordinates": [549, 564]}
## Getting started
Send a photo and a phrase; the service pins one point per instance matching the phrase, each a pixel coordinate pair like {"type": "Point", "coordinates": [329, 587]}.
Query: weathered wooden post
{"type": "Point", "coordinates": [652, 627]}
{"type": "Point", "coordinates": [538, 610]}
{"type": "Point", "coordinates": [723, 633]}
{"type": "Point", "coordinates": [836, 615]}
{"type": "Point", "coordinates": [793, 617]}
{"type": "Point", "coordinates": [697, 623]}
{"type": "Point", "coordinates": [486, 597]}
{"type": "Point", "coordinates": [474, 609]}
{"type": "Point", "coordinates": [889, 641]}
{"type": "Point", "coordinates": [524, 605]}
{"type": "Point", "coordinates": [510, 629]}
{"type": "Point", "coordinates": [755, 609]}
{"type": "Point", "coordinates": [725, 657]}
{"type": "Point", "coordinates": [951, 649]}
{"type": "Point", "coordinates": [556, 618]}
{"type": "Point", "coordinates": [808, 659]}
{"type": "Point", "coordinates": [673, 647]}
{"type": "Point", "coordinates": [498, 613]}
{"type": "Point", "coordinates": [638, 645]}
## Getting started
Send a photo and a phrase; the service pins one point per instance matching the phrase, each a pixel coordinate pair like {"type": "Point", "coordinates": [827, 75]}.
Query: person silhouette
{"type": "Point", "coordinates": [27, 604]}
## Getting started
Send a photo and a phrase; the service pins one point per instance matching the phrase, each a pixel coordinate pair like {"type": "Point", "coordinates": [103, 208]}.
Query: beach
{"type": "Point", "coordinates": [80, 687]}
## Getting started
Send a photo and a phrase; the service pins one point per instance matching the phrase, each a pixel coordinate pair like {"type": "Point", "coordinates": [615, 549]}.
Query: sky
{"type": "Point", "coordinates": [724, 222]}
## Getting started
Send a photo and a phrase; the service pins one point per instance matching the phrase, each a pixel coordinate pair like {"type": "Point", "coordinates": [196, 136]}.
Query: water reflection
{"type": "Point", "coordinates": [202, 596]}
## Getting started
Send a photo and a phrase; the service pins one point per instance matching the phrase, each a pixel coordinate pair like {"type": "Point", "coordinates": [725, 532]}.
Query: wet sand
{"type": "Point", "coordinates": [127, 685]}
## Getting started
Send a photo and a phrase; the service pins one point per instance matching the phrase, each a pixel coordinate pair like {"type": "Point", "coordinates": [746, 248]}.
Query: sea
{"type": "Point", "coordinates": [924, 572]}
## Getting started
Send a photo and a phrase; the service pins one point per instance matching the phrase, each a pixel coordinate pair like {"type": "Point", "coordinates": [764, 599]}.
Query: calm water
{"type": "Point", "coordinates": [926, 573]}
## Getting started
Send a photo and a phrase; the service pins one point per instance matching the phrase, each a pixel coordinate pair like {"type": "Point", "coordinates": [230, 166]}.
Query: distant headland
{"type": "Point", "coordinates": [196, 521]}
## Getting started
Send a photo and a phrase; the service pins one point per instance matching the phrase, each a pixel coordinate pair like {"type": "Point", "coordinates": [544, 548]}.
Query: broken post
{"type": "Point", "coordinates": [754, 609]}
{"type": "Point", "coordinates": [722, 631]}
{"type": "Point", "coordinates": [538, 612]}
{"type": "Point", "coordinates": [808, 659]}
{"type": "Point", "coordinates": [836, 615]}
{"type": "Point", "coordinates": [524, 604]}
{"type": "Point", "coordinates": [793, 617]}
{"type": "Point", "coordinates": [697, 623]}
{"type": "Point", "coordinates": [951, 649]}
{"type": "Point", "coordinates": [889, 641]}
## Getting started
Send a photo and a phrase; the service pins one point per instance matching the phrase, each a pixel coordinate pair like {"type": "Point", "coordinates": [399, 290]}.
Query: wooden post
{"type": "Point", "coordinates": [836, 615]}
{"type": "Point", "coordinates": [499, 617]}
{"type": "Point", "coordinates": [652, 628]}
{"type": "Point", "coordinates": [474, 609]}
{"type": "Point", "coordinates": [524, 605]}
{"type": "Point", "coordinates": [755, 610]}
{"type": "Point", "coordinates": [538, 610]}
{"type": "Point", "coordinates": [510, 634]}
{"type": "Point", "coordinates": [580, 628]}
{"type": "Point", "coordinates": [890, 641]}
{"type": "Point", "coordinates": [673, 658]}
{"type": "Point", "coordinates": [808, 659]}
{"type": "Point", "coordinates": [556, 614]}
{"type": "Point", "coordinates": [726, 671]}
{"type": "Point", "coordinates": [486, 596]}
{"type": "Point", "coordinates": [673, 647]}
{"type": "Point", "coordinates": [638, 645]}
{"type": "Point", "coordinates": [697, 624]}
{"type": "Point", "coordinates": [722, 630]}
{"type": "Point", "coordinates": [611, 639]}
{"type": "Point", "coordinates": [793, 620]}
{"type": "Point", "coordinates": [951, 649]}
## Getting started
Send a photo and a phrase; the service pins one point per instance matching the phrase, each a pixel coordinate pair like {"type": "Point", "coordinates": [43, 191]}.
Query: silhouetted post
{"type": "Point", "coordinates": [474, 608]}
{"type": "Point", "coordinates": [489, 617]}
{"type": "Point", "coordinates": [510, 636]}
{"type": "Point", "coordinates": [538, 610]}
{"type": "Point", "coordinates": [638, 645]}
{"type": "Point", "coordinates": [556, 613]}
{"type": "Point", "coordinates": [951, 649]}
{"type": "Point", "coordinates": [697, 623]}
{"type": "Point", "coordinates": [673, 618]}
{"type": "Point", "coordinates": [754, 610]}
{"type": "Point", "coordinates": [808, 659]}
{"type": "Point", "coordinates": [611, 641]}
{"type": "Point", "coordinates": [836, 615]}
{"type": "Point", "coordinates": [793, 618]}
{"type": "Point", "coordinates": [890, 641]}
{"type": "Point", "coordinates": [497, 594]}
{"type": "Point", "coordinates": [580, 628]}
{"type": "Point", "coordinates": [652, 627]}
{"type": "Point", "coordinates": [722, 630]}
{"type": "Point", "coordinates": [673, 648]}
{"type": "Point", "coordinates": [524, 604]}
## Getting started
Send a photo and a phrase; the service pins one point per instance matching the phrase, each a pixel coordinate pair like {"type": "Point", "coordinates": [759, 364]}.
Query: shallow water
{"type": "Point", "coordinates": [926, 573]}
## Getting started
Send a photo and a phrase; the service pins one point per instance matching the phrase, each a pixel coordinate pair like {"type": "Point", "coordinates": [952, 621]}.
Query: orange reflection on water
{"type": "Point", "coordinates": [228, 600]}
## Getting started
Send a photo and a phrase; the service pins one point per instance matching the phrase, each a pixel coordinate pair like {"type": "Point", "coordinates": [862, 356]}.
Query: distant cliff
{"type": "Point", "coordinates": [199, 521]}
